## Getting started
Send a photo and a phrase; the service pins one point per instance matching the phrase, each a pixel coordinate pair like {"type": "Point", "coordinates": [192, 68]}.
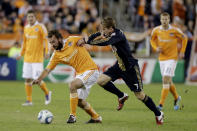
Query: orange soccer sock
{"type": "Point", "coordinates": [164, 93]}
{"type": "Point", "coordinates": [73, 103]}
{"type": "Point", "coordinates": [44, 88]}
{"type": "Point", "coordinates": [28, 89]}
{"type": "Point", "coordinates": [91, 111]}
{"type": "Point", "coordinates": [173, 91]}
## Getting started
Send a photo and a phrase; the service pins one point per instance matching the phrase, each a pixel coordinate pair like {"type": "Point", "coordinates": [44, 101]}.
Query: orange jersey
{"type": "Point", "coordinates": [73, 55]}
{"type": "Point", "coordinates": [168, 40]}
{"type": "Point", "coordinates": [34, 42]}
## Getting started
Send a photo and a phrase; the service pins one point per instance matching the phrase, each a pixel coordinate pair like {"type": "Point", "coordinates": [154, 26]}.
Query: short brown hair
{"type": "Point", "coordinates": [108, 22]}
{"type": "Point", "coordinates": [54, 33]}
{"type": "Point", "coordinates": [30, 12]}
{"type": "Point", "coordinates": [165, 14]}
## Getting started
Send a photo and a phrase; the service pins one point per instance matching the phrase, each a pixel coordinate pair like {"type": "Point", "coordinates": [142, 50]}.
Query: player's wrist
{"type": "Point", "coordinates": [84, 40]}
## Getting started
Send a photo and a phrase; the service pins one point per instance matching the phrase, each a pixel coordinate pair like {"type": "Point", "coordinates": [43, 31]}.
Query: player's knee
{"type": "Point", "coordinates": [101, 82]}
{"type": "Point", "coordinates": [73, 87]}
{"type": "Point", "coordinates": [166, 79]}
{"type": "Point", "coordinates": [28, 81]}
{"type": "Point", "coordinates": [140, 95]}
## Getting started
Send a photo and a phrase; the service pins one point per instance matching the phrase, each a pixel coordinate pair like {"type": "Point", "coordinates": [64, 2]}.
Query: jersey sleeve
{"type": "Point", "coordinates": [53, 62]}
{"type": "Point", "coordinates": [113, 39]}
{"type": "Point", "coordinates": [183, 38]}
{"type": "Point", "coordinates": [153, 40]}
{"type": "Point", "coordinates": [93, 36]}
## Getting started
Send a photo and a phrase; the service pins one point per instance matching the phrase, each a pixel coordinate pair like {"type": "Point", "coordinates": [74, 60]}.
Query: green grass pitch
{"type": "Point", "coordinates": [133, 117]}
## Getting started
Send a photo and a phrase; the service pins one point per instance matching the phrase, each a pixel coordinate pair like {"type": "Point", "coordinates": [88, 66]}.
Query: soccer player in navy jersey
{"type": "Point", "coordinates": [126, 66]}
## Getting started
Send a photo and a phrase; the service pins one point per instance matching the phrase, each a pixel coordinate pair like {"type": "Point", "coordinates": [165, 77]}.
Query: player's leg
{"type": "Point", "coordinates": [27, 75]}
{"type": "Point", "coordinates": [28, 89]}
{"type": "Point", "coordinates": [105, 79]}
{"type": "Point", "coordinates": [151, 105]}
{"type": "Point", "coordinates": [105, 82]}
{"type": "Point", "coordinates": [89, 78]}
{"type": "Point", "coordinates": [177, 98]}
{"type": "Point", "coordinates": [73, 86]}
{"type": "Point", "coordinates": [167, 71]}
{"type": "Point", "coordinates": [95, 118]}
{"type": "Point", "coordinates": [165, 89]}
{"type": "Point", "coordinates": [173, 91]}
{"type": "Point", "coordinates": [37, 70]}
{"type": "Point", "coordinates": [133, 80]}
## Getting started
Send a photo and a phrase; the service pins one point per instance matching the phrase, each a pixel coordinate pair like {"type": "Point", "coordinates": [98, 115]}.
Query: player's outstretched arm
{"type": "Point", "coordinates": [41, 77]}
{"type": "Point", "coordinates": [104, 41]}
{"type": "Point", "coordinates": [137, 37]}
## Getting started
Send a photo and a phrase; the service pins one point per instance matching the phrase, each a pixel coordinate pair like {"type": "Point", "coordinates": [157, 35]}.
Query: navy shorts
{"type": "Point", "coordinates": [131, 77]}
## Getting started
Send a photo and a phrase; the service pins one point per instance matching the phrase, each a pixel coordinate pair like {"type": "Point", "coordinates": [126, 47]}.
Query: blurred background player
{"type": "Point", "coordinates": [165, 40]}
{"type": "Point", "coordinates": [35, 46]}
{"type": "Point", "coordinates": [14, 51]}
{"type": "Point", "coordinates": [67, 52]}
{"type": "Point", "coordinates": [126, 66]}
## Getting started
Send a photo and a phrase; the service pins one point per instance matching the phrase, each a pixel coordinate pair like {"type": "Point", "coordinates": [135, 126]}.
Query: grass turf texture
{"type": "Point", "coordinates": [134, 116]}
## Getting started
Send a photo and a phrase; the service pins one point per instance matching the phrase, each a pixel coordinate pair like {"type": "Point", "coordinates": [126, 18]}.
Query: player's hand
{"type": "Point", "coordinates": [148, 32]}
{"type": "Point", "coordinates": [47, 56]}
{"type": "Point", "coordinates": [36, 82]}
{"type": "Point", "coordinates": [159, 49]}
{"type": "Point", "coordinates": [181, 55]}
{"type": "Point", "coordinates": [81, 42]}
{"type": "Point", "coordinates": [18, 57]}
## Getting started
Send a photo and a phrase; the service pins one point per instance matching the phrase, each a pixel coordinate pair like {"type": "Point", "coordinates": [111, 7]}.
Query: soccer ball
{"type": "Point", "coordinates": [45, 117]}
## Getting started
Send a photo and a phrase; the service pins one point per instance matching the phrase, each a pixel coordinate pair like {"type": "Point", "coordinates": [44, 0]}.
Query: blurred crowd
{"type": "Point", "coordinates": [72, 16]}
{"type": "Point", "coordinates": [145, 14]}
{"type": "Point", "coordinates": [78, 16]}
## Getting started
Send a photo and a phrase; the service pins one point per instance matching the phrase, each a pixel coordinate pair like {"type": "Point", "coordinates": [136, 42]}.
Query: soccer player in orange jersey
{"type": "Point", "coordinates": [67, 52]}
{"type": "Point", "coordinates": [165, 39]}
{"type": "Point", "coordinates": [35, 46]}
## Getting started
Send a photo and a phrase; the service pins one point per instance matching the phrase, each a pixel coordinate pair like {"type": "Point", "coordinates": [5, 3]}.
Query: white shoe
{"type": "Point", "coordinates": [27, 103]}
{"type": "Point", "coordinates": [48, 98]}
{"type": "Point", "coordinates": [159, 119]}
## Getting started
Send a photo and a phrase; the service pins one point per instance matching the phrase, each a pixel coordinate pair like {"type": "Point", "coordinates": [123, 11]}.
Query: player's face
{"type": "Point", "coordinates": [165, 20]}
{"type": "Point", "coordinates": [107, 31]}
{"type": "Point", "coordinates": [31, 18]}
{"type": "Point", "coordinates": [55, 43]}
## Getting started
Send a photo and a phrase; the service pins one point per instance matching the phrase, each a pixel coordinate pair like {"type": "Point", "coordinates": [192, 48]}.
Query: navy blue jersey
{"type": "Point", "coordinates": [120, 48]}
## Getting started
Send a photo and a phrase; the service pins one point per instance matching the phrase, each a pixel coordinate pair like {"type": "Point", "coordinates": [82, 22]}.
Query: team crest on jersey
{"type": "Point", "coordinates": [171, 34]}
{"type": "Point", "coordinates": [70, 44]}
{"type": "Point", "coordinates": [36, 29]}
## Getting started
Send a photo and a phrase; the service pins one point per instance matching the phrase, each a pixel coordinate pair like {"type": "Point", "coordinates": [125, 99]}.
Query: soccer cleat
{"type": "Point", "coordinates": [27, 103]}
{"type": "Point", "coordinates": [176, 103]}
{"type": "Point", "coordinates": [71, 119]}
{"type": "Point", "coordinates": [98, 120]}
{"type": "Point", "coordinates": [159, 107]}
{"type": "Point", "coordinates": [48, 98]}
{"type": "Point", "coordinates": [159, 119]}
{"type": "Point", "coordinates": [121, 101]}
